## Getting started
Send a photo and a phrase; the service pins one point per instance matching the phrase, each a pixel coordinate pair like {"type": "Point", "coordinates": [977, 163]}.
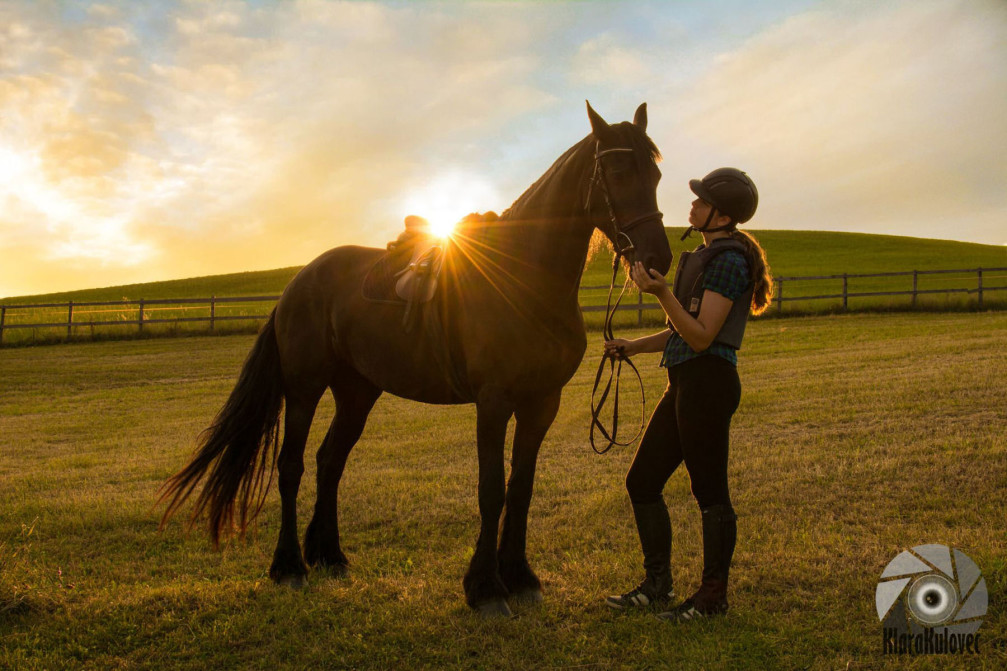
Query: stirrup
{"type": "Point", "coordinates": [637, 598]}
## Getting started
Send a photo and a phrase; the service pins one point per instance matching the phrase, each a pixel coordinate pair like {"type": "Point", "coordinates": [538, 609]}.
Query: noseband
{"type": "Point", "coordinates": [620, 229]}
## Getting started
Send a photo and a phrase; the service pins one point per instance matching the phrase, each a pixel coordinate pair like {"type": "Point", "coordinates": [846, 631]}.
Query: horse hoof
{"type": "Point", "coordinates": [528, 597]}
{"type": "Point", "coordinates": [293, 581]}
{"type": "Point", "coordinates": [338, 570]}
{"type": "Point", "coordinates": [495, 608]}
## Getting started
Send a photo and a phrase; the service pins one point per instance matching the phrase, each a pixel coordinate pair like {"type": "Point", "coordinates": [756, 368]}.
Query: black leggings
{"type": "Point", "coordinates": [690, 423]}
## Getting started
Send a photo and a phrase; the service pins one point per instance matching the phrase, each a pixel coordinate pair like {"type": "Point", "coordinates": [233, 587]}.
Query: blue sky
{"type": "Point", "coordinates": [143, 141]}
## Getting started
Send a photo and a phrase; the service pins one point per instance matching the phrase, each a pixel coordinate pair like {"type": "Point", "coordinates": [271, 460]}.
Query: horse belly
{"type": "Point", "coordinates": [527, 367]}
{"type": "Point", "coordinates": [413, 365]}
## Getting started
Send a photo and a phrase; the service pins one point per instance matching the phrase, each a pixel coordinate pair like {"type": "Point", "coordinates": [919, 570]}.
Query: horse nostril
{"type": "Point", "coordinates": [660, 264]}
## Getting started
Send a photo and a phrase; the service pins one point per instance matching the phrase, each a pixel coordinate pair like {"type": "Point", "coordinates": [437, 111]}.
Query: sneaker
{"type": "Point", "coordinates": [638, 598]}
{"type": "Point", "coordinates": [690, 609]}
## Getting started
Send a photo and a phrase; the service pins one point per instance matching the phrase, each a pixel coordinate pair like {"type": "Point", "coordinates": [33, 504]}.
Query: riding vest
{"type": "Point", "coordinates": [688, 289]}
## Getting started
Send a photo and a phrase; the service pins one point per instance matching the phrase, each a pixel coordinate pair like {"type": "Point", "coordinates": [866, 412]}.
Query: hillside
{"type": "Point", "coordinates": [790, 253]}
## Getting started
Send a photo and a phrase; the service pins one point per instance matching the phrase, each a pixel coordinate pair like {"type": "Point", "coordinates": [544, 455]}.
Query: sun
{"type": "Point", "coordinates": [442, 228]}
{"type": "Point", "coordinates": [447, 197]}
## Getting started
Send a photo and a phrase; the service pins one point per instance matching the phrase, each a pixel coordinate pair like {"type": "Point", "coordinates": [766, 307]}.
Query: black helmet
{"type": "Point", "coordinates": [729, 190]}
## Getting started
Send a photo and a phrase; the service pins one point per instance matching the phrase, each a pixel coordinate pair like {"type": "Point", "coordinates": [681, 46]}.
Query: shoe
{"type": "Point", "coordinates": [642, 597]}
{"type": "Point", "coordinates": [694, 609]}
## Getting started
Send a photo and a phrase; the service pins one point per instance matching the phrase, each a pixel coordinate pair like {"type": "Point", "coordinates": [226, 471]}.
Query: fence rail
{"type": "Point", "coordinates": [146, 310]}
{"type": "Point", "coordinates": [915, 292]}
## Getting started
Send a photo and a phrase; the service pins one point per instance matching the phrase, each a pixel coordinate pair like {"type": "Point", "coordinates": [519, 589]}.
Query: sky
{"type": "Point", "coordinates": [142, 141]}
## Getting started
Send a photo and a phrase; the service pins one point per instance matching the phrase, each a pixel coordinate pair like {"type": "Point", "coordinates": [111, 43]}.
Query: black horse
{"type": "Point", "coordinates": [506, 333]}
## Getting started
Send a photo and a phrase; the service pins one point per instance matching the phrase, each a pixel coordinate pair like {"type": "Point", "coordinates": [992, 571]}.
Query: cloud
{"type": "Point", "coordinates": [603, 60]}
{"type": "Point", "coordinates": [232, 137]}
{"type": "Point", "coordinates": [856, 117]}
{"type": "Point", "coordinates": [142, 141]}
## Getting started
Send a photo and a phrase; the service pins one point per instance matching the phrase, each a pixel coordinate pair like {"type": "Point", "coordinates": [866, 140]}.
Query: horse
{"type": "Point", "coordinates": [505, 332]}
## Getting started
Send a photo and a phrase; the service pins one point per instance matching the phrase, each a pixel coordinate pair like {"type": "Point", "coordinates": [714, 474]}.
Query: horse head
{"type": "Point", "coordinates": [622, 197]}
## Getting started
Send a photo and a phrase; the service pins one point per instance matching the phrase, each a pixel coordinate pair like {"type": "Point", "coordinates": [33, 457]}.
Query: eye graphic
{"type": "Point", "coordinates": [931, 586]}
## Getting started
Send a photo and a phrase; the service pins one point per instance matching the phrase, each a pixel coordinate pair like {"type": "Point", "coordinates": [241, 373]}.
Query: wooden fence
{"type": "Point", "coordinates": [143, 313]}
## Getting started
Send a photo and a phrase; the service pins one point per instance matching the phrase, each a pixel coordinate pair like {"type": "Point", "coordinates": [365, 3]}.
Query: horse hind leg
{"type": "Point", "coordinates": [355, 397]}
{"type": "Point", "coordinates": [288, 566]}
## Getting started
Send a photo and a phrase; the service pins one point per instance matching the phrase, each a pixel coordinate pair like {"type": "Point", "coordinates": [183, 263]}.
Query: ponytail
{"type": "Point", "coordinates": [759, 273]}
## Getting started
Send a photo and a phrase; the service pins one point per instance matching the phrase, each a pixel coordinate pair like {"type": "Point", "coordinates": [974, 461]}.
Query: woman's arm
{"type": "Point", "coordinates": [654, 342]}
{"type": "Point", "coordinates": [698, 332]}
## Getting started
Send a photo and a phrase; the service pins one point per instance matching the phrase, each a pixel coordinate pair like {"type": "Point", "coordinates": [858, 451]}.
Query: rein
{"type": "Point", "coordinates": [615, 369]}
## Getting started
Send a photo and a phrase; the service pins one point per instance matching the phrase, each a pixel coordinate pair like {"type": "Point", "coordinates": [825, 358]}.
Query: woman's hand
{"type": "Point", "coordinates": [648, 280]}
{"type": "Point", "coordinates": [620, 348]}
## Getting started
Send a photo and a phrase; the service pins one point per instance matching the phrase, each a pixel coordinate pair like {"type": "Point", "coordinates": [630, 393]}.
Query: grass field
{"type": "Point", "coordinates": [858, 436]}
{"type": "Point", "coordinates": [791, 253]}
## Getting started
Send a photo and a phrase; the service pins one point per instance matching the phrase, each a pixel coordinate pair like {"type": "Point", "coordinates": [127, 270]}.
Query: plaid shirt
{"type": "Point", "coordinates": [727, 274]}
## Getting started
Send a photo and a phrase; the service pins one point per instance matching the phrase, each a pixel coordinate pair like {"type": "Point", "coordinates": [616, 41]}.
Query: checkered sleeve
{"type": "Point", "coordinates": [727, 274]}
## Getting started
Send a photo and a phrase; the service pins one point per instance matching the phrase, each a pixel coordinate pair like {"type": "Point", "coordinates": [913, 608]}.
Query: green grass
{"type": "Point", "coordinates": [790, 253]}
{"type": "Point", "coordinates": [858, 436]}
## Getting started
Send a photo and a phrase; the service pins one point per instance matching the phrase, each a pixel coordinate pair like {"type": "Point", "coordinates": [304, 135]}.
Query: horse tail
{"type": "Point", "coordinates": [239, 448]}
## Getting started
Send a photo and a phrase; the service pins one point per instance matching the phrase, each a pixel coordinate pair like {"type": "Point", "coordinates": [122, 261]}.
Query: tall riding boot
{"type": "Point", "coordinates": [720, 532]}
{"type": "Point", "coordinates": [654, 526]}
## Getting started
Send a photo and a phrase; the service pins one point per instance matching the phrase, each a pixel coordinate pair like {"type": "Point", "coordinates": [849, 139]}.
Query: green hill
{"type": "Point", "coordinates": [790, 253]}
{"type": "Point", "coordinates": [798, 253]}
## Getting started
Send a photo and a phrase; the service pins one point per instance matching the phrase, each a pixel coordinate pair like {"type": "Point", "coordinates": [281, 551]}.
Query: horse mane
{"type": "Point", "coordinates": [473, 218]}
{"type": "Point", "coordinates": [644, 150]}
{"type": "Point", "coordinates": [485, 227]}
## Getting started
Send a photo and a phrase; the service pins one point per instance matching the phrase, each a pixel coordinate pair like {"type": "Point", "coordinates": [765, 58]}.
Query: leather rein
{"type": "Point", "coordinates": [614, 361]}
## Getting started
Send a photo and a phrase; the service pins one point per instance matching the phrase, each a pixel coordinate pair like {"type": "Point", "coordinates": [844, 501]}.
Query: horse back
{"type": "Point", "coordinates": [471, 336]}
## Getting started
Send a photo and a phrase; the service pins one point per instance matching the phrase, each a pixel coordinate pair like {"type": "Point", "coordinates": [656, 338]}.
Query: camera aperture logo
{"type": "Point", "coordinates": [931, 601]}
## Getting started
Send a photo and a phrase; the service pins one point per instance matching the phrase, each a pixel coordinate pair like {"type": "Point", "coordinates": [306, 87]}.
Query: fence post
{"type": "Point", "coordinates": [979, 273]}
{"type": "Point", "coordinates": [779, 295]}
{"type": "Point", "coordinates": [69, 320]}
{"type": "Point", "coordinates": [213, 300]}
{"type": "Point", "coordinates": [846, 296]}
{"type": "Point", "coordinates": [639, 308]}
{"type": "Point", "coordinates": [916, 275]}
{"type": "Point", "coordinates": [3, 317]}
{"type": "Point", "coordinates": [140, 322]}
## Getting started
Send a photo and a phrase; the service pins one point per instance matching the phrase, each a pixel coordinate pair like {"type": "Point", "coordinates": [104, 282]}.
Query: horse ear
{"type": "Point", "coordinates": [640, 118]}
{"type": "Point", "coordinates": [599, 127]}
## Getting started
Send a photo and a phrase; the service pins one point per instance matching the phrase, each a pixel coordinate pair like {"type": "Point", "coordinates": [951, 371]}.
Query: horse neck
{"type": "Point", "coordinates": [546, 233]}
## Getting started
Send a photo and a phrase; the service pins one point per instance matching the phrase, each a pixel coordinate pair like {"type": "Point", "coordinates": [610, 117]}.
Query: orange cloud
{"type": "Point", "coordinates": [153, 140]}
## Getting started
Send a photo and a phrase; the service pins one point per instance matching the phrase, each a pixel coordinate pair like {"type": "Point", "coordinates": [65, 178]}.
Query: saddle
{"type": "Point", "coordinates": [407, 273]}
{"type": "Point", "coordinates": [417, 282]}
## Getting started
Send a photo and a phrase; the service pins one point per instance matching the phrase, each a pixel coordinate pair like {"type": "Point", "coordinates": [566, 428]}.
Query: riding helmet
{"type": "Point", "coordinates": [729, 190]}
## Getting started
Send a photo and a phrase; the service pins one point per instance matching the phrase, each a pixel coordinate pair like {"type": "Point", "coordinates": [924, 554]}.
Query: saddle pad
{"type": "Point", "coordinates": [379, 284]}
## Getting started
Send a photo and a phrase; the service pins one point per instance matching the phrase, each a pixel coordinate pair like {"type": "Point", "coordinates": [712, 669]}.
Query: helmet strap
{"type": "Point", "coordinates": [705, 228]}
{"type": "Point", "coordinates": [729, 227]}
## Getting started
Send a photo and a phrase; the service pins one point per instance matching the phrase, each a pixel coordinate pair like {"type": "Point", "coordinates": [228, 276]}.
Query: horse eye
{"type": "Point", "coordinates": [620, 166]}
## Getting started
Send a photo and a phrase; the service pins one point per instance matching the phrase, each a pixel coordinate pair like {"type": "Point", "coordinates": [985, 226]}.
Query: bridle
{"type": "Point", "coordinates": [599, 178]}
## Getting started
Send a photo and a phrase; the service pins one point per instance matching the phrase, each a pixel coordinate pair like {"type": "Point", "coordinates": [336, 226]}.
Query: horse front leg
{"type": "Point", "coordinates": [484, 590]}
{"type": "Point", "coordinates": [533, 421]}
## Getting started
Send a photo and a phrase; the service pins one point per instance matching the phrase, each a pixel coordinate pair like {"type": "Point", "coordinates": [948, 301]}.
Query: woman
{"type": "Point", "coordinates": [715, 287]}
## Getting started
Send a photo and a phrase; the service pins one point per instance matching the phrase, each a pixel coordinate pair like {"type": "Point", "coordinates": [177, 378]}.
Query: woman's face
{"type": "Point", "coordinates": [701, 211]}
